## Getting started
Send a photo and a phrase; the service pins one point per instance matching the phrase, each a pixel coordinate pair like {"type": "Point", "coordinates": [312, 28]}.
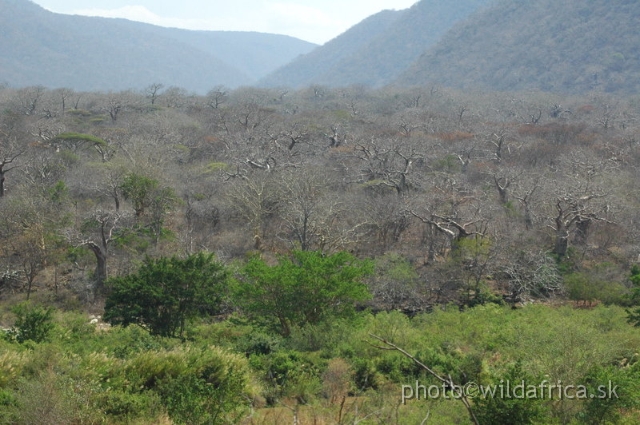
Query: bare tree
{"type": "Point", "coordinates": [152, 92]}
{"type": "Point", "coordinates": [10, 151]}
{"type": "Point", "coordinates": [216, 97]}
{"type": "Point", "coordinates": [28, 99]}
{"type": "Point", "coordinates": [5, 166]}
{"type": "Point", "coordinates": [574, 214]}
{"type": "Point", "coordinates": [101, 227]}
{"type": "Point", "coordinates": [256, 198]}
{"type": "Point", "coordinates": [389, 164]}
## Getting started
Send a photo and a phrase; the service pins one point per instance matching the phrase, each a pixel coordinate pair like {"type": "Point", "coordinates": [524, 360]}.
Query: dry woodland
{"type": "Point", "coordinates": [241, 251]}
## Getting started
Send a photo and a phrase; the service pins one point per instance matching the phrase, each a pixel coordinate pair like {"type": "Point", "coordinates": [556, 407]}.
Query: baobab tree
{"type": "Point", "coordinates": [9, 153]}
{"type": "Point", "coordinates": [575, 215]}
{"type": "Point", "coordinates": [102, 227]}
{"type": "Point", "coordinates": [6, 166]}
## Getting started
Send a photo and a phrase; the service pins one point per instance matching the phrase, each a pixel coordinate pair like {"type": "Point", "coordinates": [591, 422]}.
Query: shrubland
{"type": "Point", "coordinates": [246, 249]}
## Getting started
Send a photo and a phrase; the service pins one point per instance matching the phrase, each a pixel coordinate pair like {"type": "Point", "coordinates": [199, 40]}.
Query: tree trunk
{"type": "Point", "coordinates": [562, 242]}
{"type": "Point", "coordinates": [286, 329]}
{"type": "Point", "coordinates": [528, 217]}
{"type": "Point", "coordinates": [100, 274]}
{"type": "Point", "coordinates": [582, 231]}
{"type": "Point", "coordinates": [1, 183]}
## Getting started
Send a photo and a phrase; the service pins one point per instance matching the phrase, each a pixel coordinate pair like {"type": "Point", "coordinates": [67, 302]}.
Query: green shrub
{"type": "Point", "coordinates": [213, 389]}
{"type": "Point", "coordinates": [365, 375]}
{"type": "Point", "coordinates": [587, 288]}
{"type": "Point", "coordinates": [289, 374]}
{"type": "Point", "coordinates": [510, 410]}
{"type": "Point", "coordinates": [605, 408]}
{"type": "Point", "coordinates": [32, 324]}
{"type": "Point", "coordinates": [257, 343]}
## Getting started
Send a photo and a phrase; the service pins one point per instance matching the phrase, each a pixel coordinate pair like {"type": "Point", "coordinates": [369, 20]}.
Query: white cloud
{"type": "Point", "coordinates": [300, 14]}
{"type": "Point", "coordinates": [142, 14]}
{"type": "Point", "coordinates": [306, 22]}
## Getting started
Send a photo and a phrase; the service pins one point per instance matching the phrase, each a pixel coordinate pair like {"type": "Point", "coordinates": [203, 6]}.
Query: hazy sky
{"type": "Point", "coordinates": [317, 21]}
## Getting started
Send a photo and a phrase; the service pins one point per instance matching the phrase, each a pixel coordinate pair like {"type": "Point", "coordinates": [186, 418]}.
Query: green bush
{"type": "Point", "coordinates": [605, 408]}
{"type": "Point", "coordinates": [212, 390]}
{"type": "Point", "coordinates": [511, 410]}
{"type": "Point", "coordinates": [587, 288]}
{"type": "Point", "coordinates": [257, 343]}
{"type": "Point", "coordinates": [306, 287]}
{"type": "Point", "coordinates": [289, 374]}
{"type": "Point", "coordinates": [32, 324]}
{"type": "Point", "coordinates": [365, 375]}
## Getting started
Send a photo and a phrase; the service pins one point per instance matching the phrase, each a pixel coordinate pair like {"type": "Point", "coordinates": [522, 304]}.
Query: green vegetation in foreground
{"type": "Point", "coordinates": [232, 371]}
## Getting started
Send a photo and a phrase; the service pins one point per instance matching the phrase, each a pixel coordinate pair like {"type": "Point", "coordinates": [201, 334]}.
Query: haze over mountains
{"type": "Point", "coordinates": [562, 45]}
{"type": "Point", "coordinates": [38, 47]}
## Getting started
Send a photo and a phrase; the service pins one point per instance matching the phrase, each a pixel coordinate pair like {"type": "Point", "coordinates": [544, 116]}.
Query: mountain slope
{"type": "Point", "coordinates": [323, 60]}
{"type": "Point", "coordinates": [255, 54]}
{"type": "Point", "coordinates": [378, 49]}
{"type": "Point", "coordinates": [566, 46]}
{"type": "Point", "coordinates": [38, 47]}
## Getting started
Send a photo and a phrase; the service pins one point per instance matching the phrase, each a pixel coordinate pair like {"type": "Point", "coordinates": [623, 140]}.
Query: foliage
{"type": "Point", "coordinates": [511, 409]}
{"type": "Point", "coordinates": [289, 374]}
{"type": "Point", "coordinates": [306, 287]}
{"type": "Point", "coordinates": [165, 293]}
{"type": "Point", "coordinates": [33, 323]}
{"type": "Point", "coordinates": [588, 288]}
{"type": "Point", "coordinates": [206, 386]}
{"type": "Point", "coordinates": [125, 376]}
{"type": "Point", "coordinates": [604, 407]}
{"type": "Point", "coordinates": [78, 137]}
{"type": "Point", "coordinates": [634, 315]}
{"type": "Point", "coordinates": [138, 189]}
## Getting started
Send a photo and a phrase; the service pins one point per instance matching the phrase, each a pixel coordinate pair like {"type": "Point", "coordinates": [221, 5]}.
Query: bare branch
{"type": "Point", "coordinates": [447, 381]}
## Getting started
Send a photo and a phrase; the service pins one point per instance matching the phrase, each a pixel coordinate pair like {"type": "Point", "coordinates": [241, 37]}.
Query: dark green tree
{"type": "Point", "coordinates": [165, 293]}
{"type": "Point", "coordinates": [633, 316]}
{"type": "Point", "coordinates": [511, 409]}
{"type": "Point", "coordinates": [305, 287]}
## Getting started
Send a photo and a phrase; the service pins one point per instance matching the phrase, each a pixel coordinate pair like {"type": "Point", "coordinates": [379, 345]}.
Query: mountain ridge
{"type": "Point", "coordinates": [89, 53]}
{"type": "Point", "coordinates": [383, 52]}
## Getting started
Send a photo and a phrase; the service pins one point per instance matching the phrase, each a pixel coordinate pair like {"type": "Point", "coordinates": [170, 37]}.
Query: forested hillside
{"type": "Point", "coordinates": [246, 254]}
{"type": "Point", "coordinates": [561, 46]}
{"type": "Point", "coordinates": [378, 49]}
{"type": "Point", "coordinates": [324, 59]}
{"type": "Point", "coordinates": [42, 48]}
